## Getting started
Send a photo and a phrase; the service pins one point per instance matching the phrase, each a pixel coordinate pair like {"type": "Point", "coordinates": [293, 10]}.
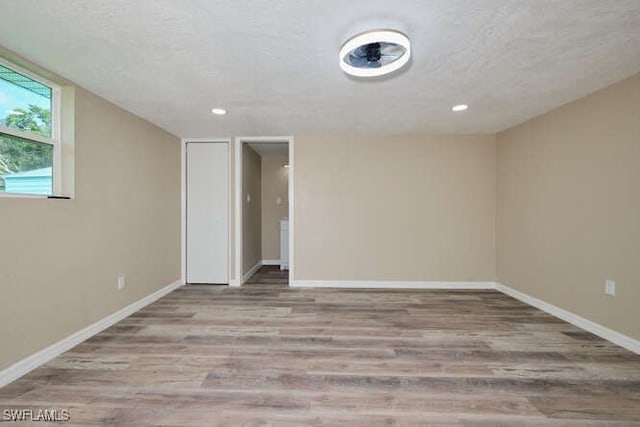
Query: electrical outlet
{"type": "Point", "coordinates": [121, 281]}
{"type": "Point", "coordinates": [610, 287]}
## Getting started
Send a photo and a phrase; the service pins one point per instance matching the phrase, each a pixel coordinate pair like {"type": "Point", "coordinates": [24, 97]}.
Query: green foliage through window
{"type": "Point", "coordinates": [35, 119]}
{"type": "Point", "coordinates": [21, 155]}
{"type": "Point", "coordinates": [26, 165]}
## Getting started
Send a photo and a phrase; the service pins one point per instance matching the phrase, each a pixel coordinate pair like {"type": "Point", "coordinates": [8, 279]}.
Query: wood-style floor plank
{"type": "Point", "coordinates": [269, 355]}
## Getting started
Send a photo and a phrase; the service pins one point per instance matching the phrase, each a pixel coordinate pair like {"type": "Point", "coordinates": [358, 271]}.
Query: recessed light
{"type": "Point", "coordinates": [459, 107]}
{"type": "Point", "coordinates": [375, 53]}
{"type": "Point", "coordinates": [219, 111]}
{"type": "Point", "coordinates": [286, 166]}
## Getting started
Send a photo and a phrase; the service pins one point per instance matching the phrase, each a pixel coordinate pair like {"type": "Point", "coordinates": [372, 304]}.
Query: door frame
{"type": "Point", "coordinates": [183, 204]}
{"type": "Point", "coordinates": [238, 200]}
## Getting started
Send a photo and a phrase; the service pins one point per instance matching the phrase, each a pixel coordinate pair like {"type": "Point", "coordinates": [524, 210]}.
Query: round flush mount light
{"type": "Point", "coordinates": [460, 107]}
{"type": "Point", "coordinates": [218, 111]}
{"type": "Point", "coordinates": [375, 53]}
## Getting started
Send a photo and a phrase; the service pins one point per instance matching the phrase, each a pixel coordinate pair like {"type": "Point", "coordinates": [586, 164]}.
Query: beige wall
{"type": "Point", "coordinates": [568, 207]}
{"type": "Point", "coordinates": [251, 210]}
{"type": "Point", "coordinates": [60, 259]}
{"type": "Point", "coordinates": [275, 183]}
{"type": "Point", "coordinates": [419, 208]}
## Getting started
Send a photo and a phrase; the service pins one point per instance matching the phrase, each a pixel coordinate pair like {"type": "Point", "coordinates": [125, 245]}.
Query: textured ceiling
{"type": "Point", "coordinates": [273, 63]}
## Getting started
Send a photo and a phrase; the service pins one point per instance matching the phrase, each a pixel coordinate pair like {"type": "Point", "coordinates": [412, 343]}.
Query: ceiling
{"type": "Point", "coordinates": [271, 149]}
{"type": "Point", "coordinates": [273, 64]}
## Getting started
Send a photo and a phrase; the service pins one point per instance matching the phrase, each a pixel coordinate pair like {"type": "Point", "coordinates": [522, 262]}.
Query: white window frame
{"type": "Point", "coordinates": [56, 132]}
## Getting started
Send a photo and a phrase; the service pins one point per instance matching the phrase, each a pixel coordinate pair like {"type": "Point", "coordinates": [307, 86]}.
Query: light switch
{"type": "Point", "coordinates": [610, 287]}
{"type": "Point", "coordinates": [278, 200]}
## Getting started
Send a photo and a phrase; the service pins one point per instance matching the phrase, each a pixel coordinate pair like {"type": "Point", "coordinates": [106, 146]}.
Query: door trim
{"type": "Point", "coordinates": [183, 205]}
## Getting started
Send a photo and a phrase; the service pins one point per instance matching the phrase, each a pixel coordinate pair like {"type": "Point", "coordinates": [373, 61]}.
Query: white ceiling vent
{"type": "Point", "coordinates": [375, 53]}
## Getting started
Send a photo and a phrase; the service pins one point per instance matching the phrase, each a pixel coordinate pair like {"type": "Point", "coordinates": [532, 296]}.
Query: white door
{"type": "Point", "coordinates": [207, 212]}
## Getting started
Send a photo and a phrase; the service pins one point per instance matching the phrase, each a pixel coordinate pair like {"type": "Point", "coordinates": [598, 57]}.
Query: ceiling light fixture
{"type": "Point", "coordinates": [460, 107]}
{"type": "Point", "coordinates": [375, 53]}
{"type": "Point", "coordinates": [218, 111]}
{"type": "Point", "coordinates": [286, 166]}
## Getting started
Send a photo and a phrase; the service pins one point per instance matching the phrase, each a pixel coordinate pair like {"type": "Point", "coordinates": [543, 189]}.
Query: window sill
{"type": "Point", "coordinates": [33, 196]}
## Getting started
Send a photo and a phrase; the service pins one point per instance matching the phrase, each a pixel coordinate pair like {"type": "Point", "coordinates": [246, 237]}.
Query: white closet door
{"type": "Point", "coordinates": [207, 212]}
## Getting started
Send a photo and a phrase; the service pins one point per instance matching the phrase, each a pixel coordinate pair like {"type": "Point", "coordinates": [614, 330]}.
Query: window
{"type": "Point", "coordinates": [29, 133]}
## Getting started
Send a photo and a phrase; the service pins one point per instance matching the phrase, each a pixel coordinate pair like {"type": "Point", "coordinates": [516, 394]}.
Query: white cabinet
{"type": "Point", "coordinates": [284, 244]}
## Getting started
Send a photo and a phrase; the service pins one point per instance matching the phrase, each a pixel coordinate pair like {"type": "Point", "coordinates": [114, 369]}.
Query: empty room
{"type": "Point", "coordinates": [328, 213]}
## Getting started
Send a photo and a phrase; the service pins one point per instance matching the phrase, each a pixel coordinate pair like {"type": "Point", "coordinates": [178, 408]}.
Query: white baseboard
{"type": "Point", "coordinates": [29, 363]}
{"type": "Point", "coordinates": [251, 272]}
{"type": "Point", "coordinates": [271, 262]}
{"type": "Point", "coordinates": [622, 340]}
{"type": "Point", "coordinates": [235, 283]}
{"type": "Point", "coordinates": [372, 284]}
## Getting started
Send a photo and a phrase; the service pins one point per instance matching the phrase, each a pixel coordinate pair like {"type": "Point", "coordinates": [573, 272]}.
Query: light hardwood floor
{"type": "Point", "coordinates": [265, 354]}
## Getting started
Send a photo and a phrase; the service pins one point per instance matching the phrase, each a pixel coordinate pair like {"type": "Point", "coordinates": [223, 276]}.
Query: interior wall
{"type": "Point", "coordinates": [395, 208]}
{"type": "Point", "coordinates": [568, 213]}
{"type": "Point", "coordinates": [251, 208]}
{"type": "Point", "coordinates": [60, 259]}
{"type": "Point", "coordinates": [275, 182]}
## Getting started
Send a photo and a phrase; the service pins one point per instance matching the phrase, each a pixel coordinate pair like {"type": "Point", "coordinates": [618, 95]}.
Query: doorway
{"type": "Point", "coordinates": [263, 205]}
